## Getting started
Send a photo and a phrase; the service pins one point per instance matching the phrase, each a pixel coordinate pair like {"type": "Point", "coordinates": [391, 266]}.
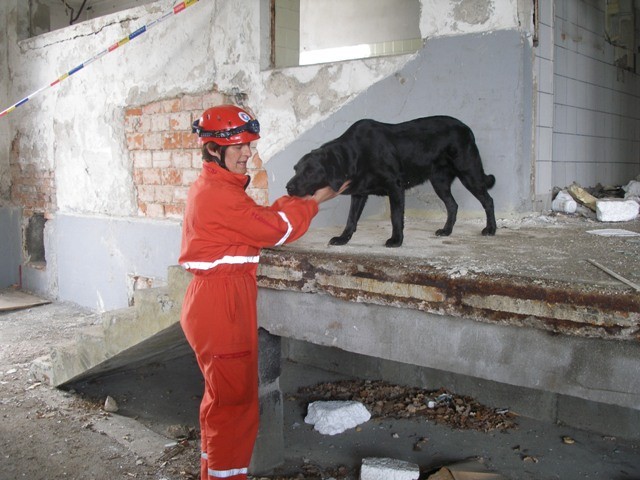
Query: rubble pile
{"type": "Point", "coordinates": [608, 203]}
{"type": "Point", "coordinates": [385, 400]}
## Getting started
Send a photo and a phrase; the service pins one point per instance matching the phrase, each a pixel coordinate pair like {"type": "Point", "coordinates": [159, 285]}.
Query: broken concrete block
{"type": "Point", "coordinates": [632, 189]}
{"type": "Point", "coordinates": [388, 469]}
{"type": "Point", "coordinates": [110, 405]}
{"type": "Point", "coordinates": [333, 417]}
{"type": "Point", "coordinates": [564, 203]}
{"type": "Point", "coordinates": [612, 210]}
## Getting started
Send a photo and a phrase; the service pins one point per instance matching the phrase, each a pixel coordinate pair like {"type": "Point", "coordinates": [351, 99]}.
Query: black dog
{"type": "Point", "coordinates": [387, 159]}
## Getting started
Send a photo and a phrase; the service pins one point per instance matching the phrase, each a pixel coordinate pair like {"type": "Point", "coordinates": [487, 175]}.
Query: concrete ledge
{"type": "Point", "coordinates": [588, 369]}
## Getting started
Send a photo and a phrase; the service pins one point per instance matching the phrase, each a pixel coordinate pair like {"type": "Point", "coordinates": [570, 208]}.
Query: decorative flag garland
{"type": "Point", "coordinates": [176, 9]}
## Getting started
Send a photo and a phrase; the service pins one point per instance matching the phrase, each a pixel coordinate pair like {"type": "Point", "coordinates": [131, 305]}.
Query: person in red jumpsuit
{"type": "Point", "coordinates": [222, 234]}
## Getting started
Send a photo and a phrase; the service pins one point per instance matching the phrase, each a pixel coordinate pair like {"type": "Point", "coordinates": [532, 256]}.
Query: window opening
{"type": "Point", "coordinates": [34, 239]}
{"type": "Point", "coordinates": [310, 32]}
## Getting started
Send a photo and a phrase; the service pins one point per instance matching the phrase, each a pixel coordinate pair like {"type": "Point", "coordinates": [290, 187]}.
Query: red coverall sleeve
{"type": "Point", "coordinates": [283, 222]}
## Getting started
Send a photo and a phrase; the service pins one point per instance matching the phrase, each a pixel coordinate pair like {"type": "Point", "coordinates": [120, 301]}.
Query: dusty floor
{"type": "Point", "coordinates": [47, 433]}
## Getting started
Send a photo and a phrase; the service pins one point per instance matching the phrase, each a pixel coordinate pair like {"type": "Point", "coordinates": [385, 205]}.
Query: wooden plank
{"type": "Point", "coordinates": [13, 299]}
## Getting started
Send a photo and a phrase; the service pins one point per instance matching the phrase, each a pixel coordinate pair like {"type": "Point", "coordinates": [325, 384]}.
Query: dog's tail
{"type": "Point", "coordinates": [489, 181]}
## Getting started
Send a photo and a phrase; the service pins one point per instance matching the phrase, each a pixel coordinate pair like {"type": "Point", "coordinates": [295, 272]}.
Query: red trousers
{"type": "Point", "coordinates": [220, 322]}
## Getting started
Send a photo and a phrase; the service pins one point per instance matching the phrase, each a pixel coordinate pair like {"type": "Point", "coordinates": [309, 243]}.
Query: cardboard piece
{"type": "Point", "coordinates": [471, 470]}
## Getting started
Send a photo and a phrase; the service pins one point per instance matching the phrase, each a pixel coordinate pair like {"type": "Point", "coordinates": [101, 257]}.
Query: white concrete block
{"type": "Point", "coordinates": [611, 210]}
{"type": "Point", "coordinates": [564, 203]}
{"type": "Point", "coordinates": [333, 417]}
{"type": "Point", "coordinates": [632, 189]}
{"type": "Point", "coordinates": [388, 469]}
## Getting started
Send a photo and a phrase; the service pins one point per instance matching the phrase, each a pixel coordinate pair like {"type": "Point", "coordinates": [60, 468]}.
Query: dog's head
{"type": "Point", "coordinates": [315, 170]}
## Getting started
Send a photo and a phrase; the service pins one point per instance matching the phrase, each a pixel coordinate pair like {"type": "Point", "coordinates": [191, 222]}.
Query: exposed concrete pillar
{"type": "Point", "coordinates": [269, 449]}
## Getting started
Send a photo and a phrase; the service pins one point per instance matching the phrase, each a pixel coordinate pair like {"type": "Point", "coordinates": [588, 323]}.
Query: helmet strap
{"type": "Point", "coordinates": [216, 154]}
{"type": "Point", "coordinates": [220, 160]}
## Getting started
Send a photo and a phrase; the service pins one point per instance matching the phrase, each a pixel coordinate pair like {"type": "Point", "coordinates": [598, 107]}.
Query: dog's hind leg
{"type": "Point", "coordinates": [441, 183]}
{"type": "Point", "coordinates": [479, 188]}
{"type": "Point", "coordinates": [355, 210]}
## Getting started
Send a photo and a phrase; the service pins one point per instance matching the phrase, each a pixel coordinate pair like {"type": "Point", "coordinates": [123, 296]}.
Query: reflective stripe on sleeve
{"type": "Point", "coordinates": [289, 229]}
{"type": "Point", "coordinates": [227, 259]}
{"type": "Point", "coordinates": [227, 473]}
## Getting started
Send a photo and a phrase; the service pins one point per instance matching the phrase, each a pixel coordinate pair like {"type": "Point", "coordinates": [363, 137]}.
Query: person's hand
{"type": "Point", "coordinates": [327, 193]}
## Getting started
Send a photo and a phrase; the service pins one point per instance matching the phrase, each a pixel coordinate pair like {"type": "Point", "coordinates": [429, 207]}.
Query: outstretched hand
{"type": "Point", "coordinates": [327, 193]}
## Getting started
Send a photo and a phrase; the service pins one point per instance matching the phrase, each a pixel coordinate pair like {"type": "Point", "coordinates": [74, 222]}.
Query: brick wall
{"type": "Point", "coordinates": [32, 186]}
{"type": "Point", "coordinates": [166, 156]}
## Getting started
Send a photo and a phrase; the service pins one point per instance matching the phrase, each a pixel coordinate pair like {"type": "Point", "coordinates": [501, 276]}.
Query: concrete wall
{"type": "Point", "coordinates": [98, 259]}
{"type": "Point", "coordinates": [10, 246]}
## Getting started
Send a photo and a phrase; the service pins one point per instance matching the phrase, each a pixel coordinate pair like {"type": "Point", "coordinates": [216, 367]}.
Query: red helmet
{"type": "Point", "coordinates": [226, 125]}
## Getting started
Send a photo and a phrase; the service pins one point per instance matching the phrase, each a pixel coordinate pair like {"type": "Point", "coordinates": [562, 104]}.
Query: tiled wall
{"type": "Point", "coordinates": [596, 136]}
{"type": "Point", "coordinates": [543, 68]}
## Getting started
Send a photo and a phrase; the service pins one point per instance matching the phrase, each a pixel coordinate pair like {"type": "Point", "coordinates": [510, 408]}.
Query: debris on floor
{"type": "Point", "coordinates": [610, 204]}
{"type": "Point", "coordinates": [469, 470]}
{"type": "Point", "coordinates": [564, 203]}
{"type": "Point", "coordinates": [388, 469]}
{"type": "Point", "coordinates": [383, 399]}
{"type": "Point", "coordinates": [334, 417]}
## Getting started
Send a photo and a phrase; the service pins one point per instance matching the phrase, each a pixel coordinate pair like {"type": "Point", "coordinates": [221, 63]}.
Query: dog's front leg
{"type": "Point", "coordinates": [396, 204]}
{"type": "Point", "coordinates": [355, 210]}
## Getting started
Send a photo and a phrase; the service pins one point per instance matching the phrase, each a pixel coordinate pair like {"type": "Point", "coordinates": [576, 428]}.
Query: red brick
{"type": "Point", "coordinates": [181, 159]}
{"type": "Point", "coordinates": [141, 158]}
{"type": "Point", "coordinates": [155, 210]}
{"type": "Point", "coordinates": [260, 180]}
{"type": "Point", "coordinates": [133, 111]}
{"type": "Point", "coordinates": [180, 121]}
{"type": "Point", "coordinates": [171, 141]}
{"type": "Point", "coordinates": [173, 105]}
{"type": "Point", "coordinates": [188, 140]}
{"type": "Point", "coordinates": [196, 161]}
{"type": "Point", "coordinates": [146, 193]}
{"type": "Point", "coordinates": [174, 211]}
{"type": "Point", "coordinates": [153, 141]}
{"type": "Point", "coordinates": [161, 159]}
{"type": "Point", "coordinates": [189, 176]}
{"type": "Point", "coordinates": [150, 109]}
{"type": "Point", "coordinates": [164, 194]}
{"type": "Point", "coordinates": [142, 208]}
{"type": "Point", "coordinates": [255, 162]}
{"type": "Point", "coordinates": [152, 176]}
{"type": "Point", "coordinates": [138, 176]}
{"type": "Point", "coordinates": [171, 176]}
{"type": "Point", "coordinates": [180, 195]}
{"type": "Point", "coordinates": [159, 122]}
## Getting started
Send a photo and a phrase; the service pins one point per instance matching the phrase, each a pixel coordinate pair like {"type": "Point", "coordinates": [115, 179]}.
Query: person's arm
{"type": "Point", "coordinates": [283, 222]}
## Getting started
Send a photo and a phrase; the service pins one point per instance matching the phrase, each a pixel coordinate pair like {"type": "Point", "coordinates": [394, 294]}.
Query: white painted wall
{"type": "Point", "coordinates": [444, 17]}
